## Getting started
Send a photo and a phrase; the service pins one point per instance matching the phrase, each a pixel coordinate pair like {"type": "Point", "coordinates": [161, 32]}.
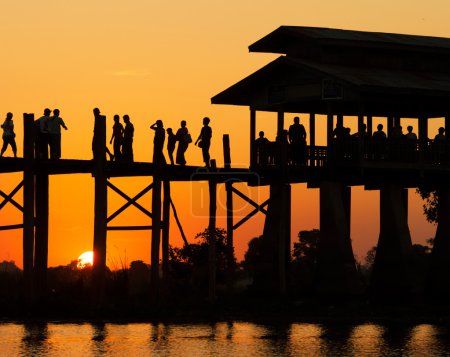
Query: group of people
{"type": "Point", "coordinates": [48, 134]}
{"type": "Point", "coordinates": [122, 141]}
{"type": "Point", "coordinates": [183, 138]}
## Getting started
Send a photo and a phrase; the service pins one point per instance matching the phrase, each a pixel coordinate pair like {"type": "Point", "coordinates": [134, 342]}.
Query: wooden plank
{"type": "Point", "coordinates": [128, 228]}
{"type": "Point", "coordinates": [10, 227]}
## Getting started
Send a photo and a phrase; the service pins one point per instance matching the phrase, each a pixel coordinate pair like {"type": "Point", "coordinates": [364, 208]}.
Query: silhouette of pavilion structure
{"type": "Point", "coordinates": [329, 72]}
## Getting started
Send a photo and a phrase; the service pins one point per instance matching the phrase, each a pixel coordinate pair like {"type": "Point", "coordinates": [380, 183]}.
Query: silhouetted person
{"type": "Point", "coordinates": [117, 137]}
{"type": "Point", "coordinates": [54, 125]}
{"type": "Point", "coordinates": [440, 135]}
{"type": "Point", "coordinates": [42, 136]}
{"type": "Point", "coordinates": [184, 139]}
{"type": "Point", "coordinates": [410, 135]}
{"type": "Point", "coordinates": [339, 131]}
{"type": "Point", "coordinates": [158, 142]}
{"type": "Point", "coordinates": [297, 141]}
{"type": "Point", "coordinates": [262, 149]}
{"type": "Point", "coordinates": [8, 135]}
{"type": "Point", "coordinates": [127, 144]}
{"type": "Point", "coordinates": [95, 138]}
{"type": "Point", "coordinates": [379, 142]}
{"type": "Point", "coordinates": [204, 140]}
{"type": "Point", "coordinates": [171, 142]}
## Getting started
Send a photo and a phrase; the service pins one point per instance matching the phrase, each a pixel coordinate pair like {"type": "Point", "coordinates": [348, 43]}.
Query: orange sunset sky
{"type": "Point", "coordinates": [164, 60]}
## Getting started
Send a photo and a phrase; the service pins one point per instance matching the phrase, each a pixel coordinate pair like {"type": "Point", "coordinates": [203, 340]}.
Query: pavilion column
{"type": "Point", "coordinates": [330, 128]}
{"type": "Point", "coordinates": [280, 123]}
{"type": "Point", "coordinates": [447, 127]}
{"type": "Point", "coordinates": [369, 126]}
{"type": "Point", "coordinates": [390, 126]}
{"type": "Point", "coordinates": [423, 136]}
{"type": "Point", "coordinates": [390, 276]}
{"type": "Point", "coordinates": [28, 203]}
{"type": "Point", "coordinates": [312, 138]}
{"type": "Point", "coordinates": [336, 267]}
{"type": "Point", "coordinates": [252, 137]}
{"type": "Point", "coordinates": [439, 274]}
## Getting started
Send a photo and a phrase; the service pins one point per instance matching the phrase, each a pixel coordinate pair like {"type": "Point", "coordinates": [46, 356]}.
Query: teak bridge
{"type": "Point", "coordinates": [335, 73]}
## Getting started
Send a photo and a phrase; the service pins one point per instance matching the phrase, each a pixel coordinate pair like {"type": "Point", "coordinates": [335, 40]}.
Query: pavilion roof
{"type": "Point", "coordinates": [285, 37]}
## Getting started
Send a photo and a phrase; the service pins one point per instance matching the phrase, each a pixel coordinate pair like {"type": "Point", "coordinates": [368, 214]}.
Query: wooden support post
{"type": "Point", "coordinates": [312, 138]}
{"type": "Point", "coordinates": [447, 127]}
{"type": "Point", "coordinates": [28, 202]}
{"type": "Point", "coordinates": [100, 209]}
{"type": "Point", "coordinates": [156, 238]}
{"type": "Point", "coordinates": [423, 137]}
{"type": "Point", "coordinates": [280, 122]}
{"type": "Point", "coordinates": [252, 137]}
{"type": "Point", "coordinates": [397, 121]}
{"type": "Point", "coordinates": [212, 234]}
{"type": "Point", "coordinates": [369, 126]}
{"type": "Point", "coordinates": [41, 240]}
{"type": "Point", "coordinates": [284, 238]}
{"type": "Point", "coordinates": [165, 235]}
{"type": "Point", "coordinates": [390, 126]}
{"type": "Point", "coordinates": [229, 191]}
{"type": "Point", "coordinates": [361, 134]}
{"type": "Point", "coordinates": [330, 125]}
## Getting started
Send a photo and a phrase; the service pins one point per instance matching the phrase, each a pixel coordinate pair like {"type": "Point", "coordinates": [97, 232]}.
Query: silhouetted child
{"type": "Point", "coordinates": [8, 135]}
{"type": "Point", "coordinates": [171, 142]}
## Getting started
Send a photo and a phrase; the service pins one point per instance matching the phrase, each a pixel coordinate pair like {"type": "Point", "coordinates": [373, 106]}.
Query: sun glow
{"type": "Point", "coordinates": [86, 259]}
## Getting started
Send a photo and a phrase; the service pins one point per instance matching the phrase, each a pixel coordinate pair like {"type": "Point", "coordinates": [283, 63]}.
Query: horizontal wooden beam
{"type": "Point", "coordinates": [13, 226]}
{"type": "Point", "coordinates": [129, 228]}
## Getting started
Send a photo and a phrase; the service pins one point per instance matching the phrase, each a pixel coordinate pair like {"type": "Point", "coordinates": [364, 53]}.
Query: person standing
{"type": "Point", "coordinates": [42, 135]}
{"type": "Point", "coordinates": [54, 125]}
{"type": "Point", "coordinates": [204, 140]}
{"type": "Point", "coordinates": [127, 144]}
{"type": "Point", "coordinates": [297, 140]}
{"type": "Point", "coordinates": [184, 139]}
{"type": "Point", "coordinates": [158, 142]}
{"type": "Point", "coordinates": [8, 135]}
{"type": "Point", "coordinates": [117, 136]}
{"type": "Point", "coordinates": [171, 142]}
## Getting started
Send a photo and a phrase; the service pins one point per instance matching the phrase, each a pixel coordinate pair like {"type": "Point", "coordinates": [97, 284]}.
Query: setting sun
{"type": "Point", "coordinates": [85, 259]}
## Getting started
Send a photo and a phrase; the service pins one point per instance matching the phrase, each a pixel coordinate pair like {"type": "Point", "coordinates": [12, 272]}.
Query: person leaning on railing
{"type": "Point", "coordinates": [439, 144]}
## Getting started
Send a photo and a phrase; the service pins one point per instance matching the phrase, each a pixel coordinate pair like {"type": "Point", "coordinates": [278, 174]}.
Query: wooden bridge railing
{"type": "Point", "coordinates": [346, 152]}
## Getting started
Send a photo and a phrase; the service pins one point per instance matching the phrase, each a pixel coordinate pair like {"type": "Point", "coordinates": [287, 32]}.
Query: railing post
{"type": "Point", "coordinates": [312, 139]}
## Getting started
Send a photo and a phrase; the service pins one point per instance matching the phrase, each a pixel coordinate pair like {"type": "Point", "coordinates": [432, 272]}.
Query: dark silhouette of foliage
{"type": "Point", "coordinates": [430, 207]}
{"type": "Point", "coordinates": [305, 250]}
{"type": "Point", "coordinates": [252, 256]}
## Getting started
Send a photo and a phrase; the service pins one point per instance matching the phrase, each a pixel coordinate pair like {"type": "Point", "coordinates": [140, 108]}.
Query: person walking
{"type": "Point", "coordinates": [117, 137]}
{"type": "Point", "coordinates": [127, 144]}
{"type": "Point", "coordinates": [158, 142]}
{"type": "Point", "coordinates": [204, 140]}
{"type": "Point", "coordinates": [184, 139]}
{"type": "Point", "coordinates": [42, 135]}
{"type": "Point", "coordinates": [54, 125]}
{"type": "Point", "coordinates": [171, 142]}
{"type": "Point", "coordinates": [8, 135]}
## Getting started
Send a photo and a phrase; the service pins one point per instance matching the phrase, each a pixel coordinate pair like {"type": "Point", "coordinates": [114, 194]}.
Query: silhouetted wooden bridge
{"type": "Point", "coordinates": [335, 73]}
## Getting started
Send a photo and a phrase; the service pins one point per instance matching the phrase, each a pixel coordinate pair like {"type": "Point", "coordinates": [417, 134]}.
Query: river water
{"type": "Point", "coordinates": [222, 339]}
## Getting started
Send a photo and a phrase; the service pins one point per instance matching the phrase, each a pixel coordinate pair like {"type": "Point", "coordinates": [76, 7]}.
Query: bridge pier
{"type": "Point", "coordinates": [272, 275]}
{"type": "Point", "coordinates": [439, 274]}
{"type": "Point", "coordinates": [390, 275]}
{"type": "Point", "coordinates": [336, 268]}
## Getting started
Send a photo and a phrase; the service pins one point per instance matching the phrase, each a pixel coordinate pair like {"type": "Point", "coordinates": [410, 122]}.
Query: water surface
{"type": "Point", "coordinates": [221, 339]}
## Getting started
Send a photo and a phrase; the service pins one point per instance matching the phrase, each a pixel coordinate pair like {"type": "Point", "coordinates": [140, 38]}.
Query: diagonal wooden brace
{"type": "Point", "coordinates": [9, 198]}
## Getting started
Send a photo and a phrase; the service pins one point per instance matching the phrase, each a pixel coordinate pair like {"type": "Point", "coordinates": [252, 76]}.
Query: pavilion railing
{"type": "Point", "coordinates": [351, 152]}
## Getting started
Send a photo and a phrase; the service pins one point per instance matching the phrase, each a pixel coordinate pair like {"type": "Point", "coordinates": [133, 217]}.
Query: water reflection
{"type": "Point", "coordinates": [35, 339]}
{"type": "Point", "coordinates": [223, 339]}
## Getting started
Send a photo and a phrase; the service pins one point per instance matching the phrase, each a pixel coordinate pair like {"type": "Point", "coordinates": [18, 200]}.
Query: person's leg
{"type": "Point", "coordinates": [14, 146]}
{"type": "Point", "coordinates": [4, 146]}
{"type": "Point", "coordinates": [170, 151]}
{"type": "Point", "coordinates": [205, 152]}
{"type": "Point", "coordinates": [131, 151]}
{"type": "Point", "coordinates": [58, 146]}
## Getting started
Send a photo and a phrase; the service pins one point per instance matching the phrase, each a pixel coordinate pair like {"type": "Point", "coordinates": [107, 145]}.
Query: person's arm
{"type": "Point", "coordinates": [112, 137]}
{"type": "Point", "coordinates": [63, 124]}
{"type": "Point", "coordinates": [153, 126]}
{"type": "Point", "coordinates": [199, 137]}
